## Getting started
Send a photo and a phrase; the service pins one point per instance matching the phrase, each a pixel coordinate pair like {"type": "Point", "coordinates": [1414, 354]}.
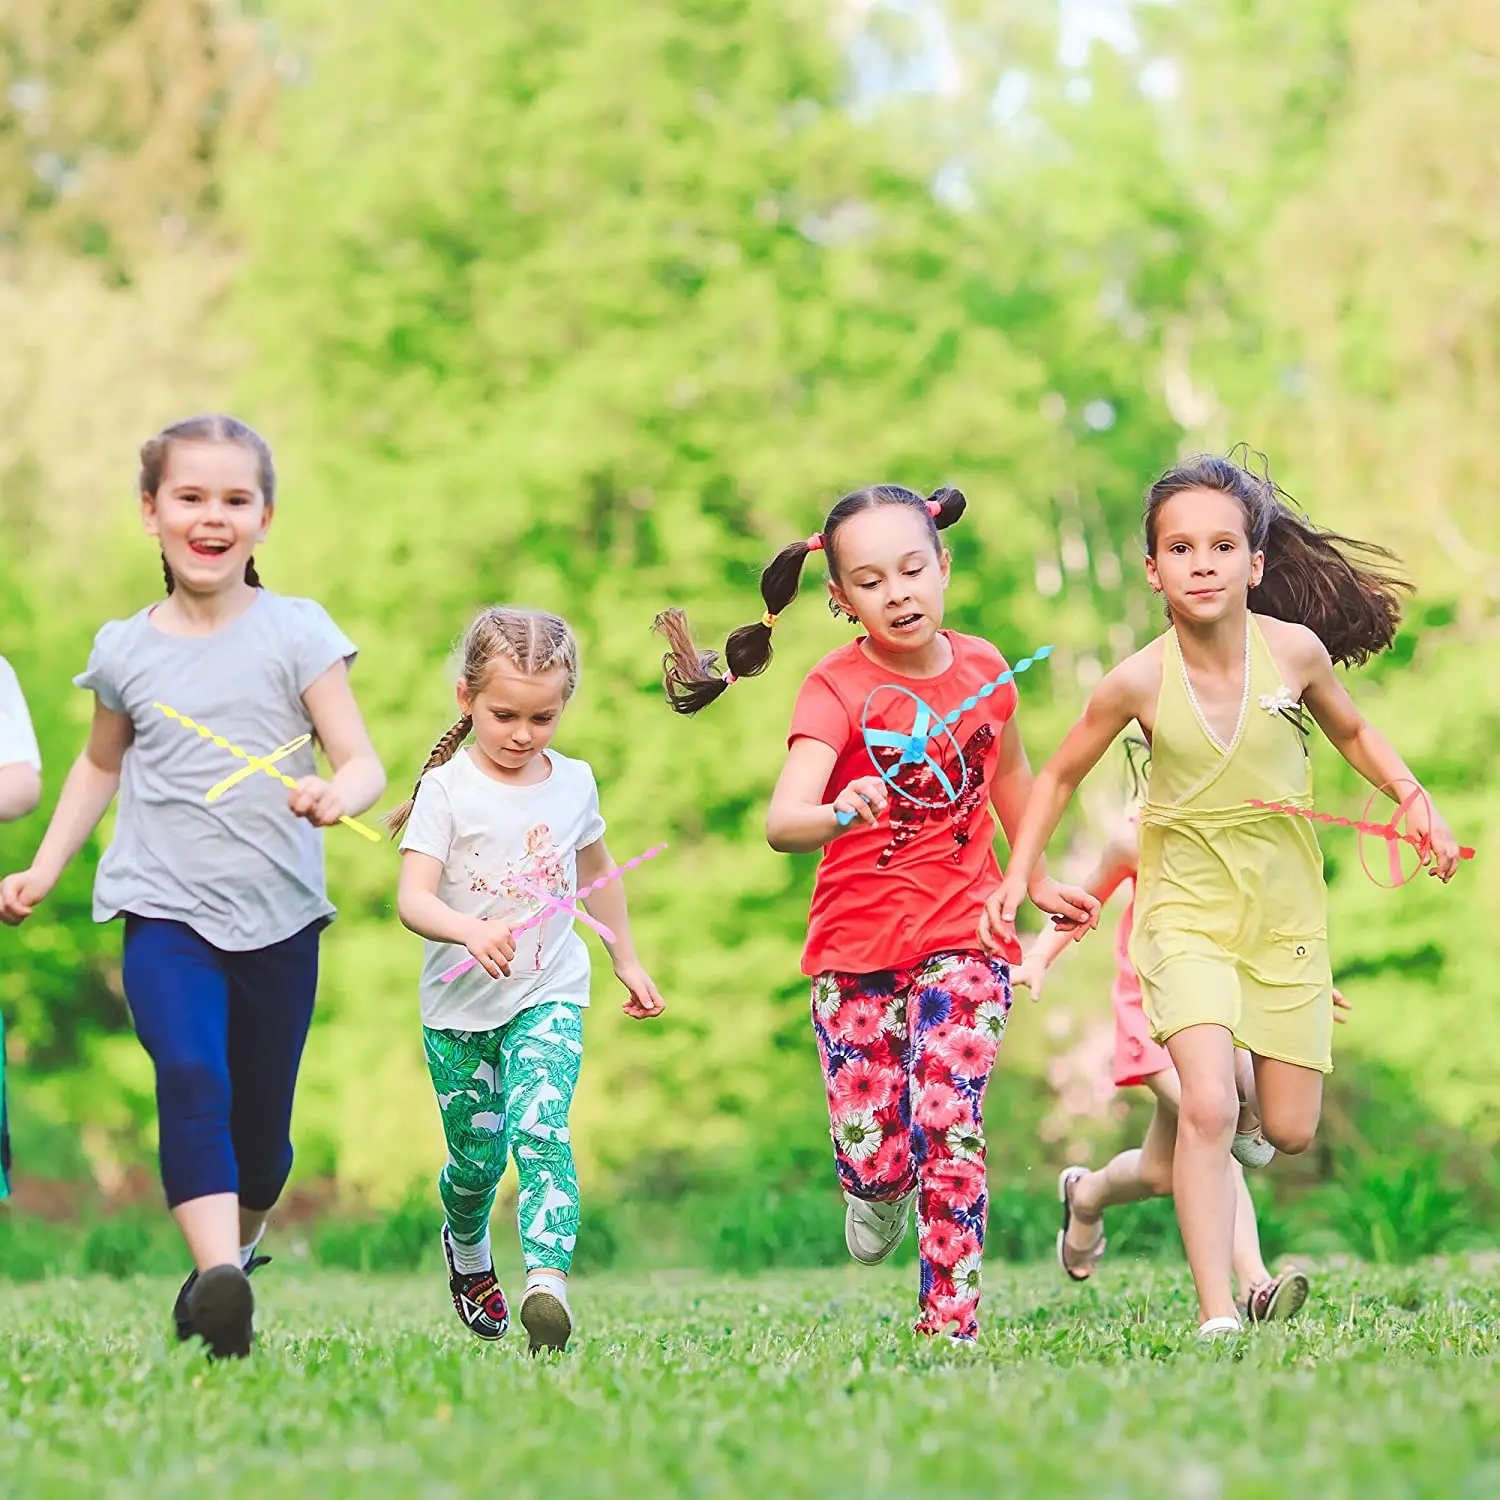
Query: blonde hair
{"type": "Point", "coordinates": [531, 640]}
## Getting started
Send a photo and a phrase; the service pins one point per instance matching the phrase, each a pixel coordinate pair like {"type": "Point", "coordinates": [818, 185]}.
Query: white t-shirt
{"type": "Point", "coordinates": [495, 840]}
{"type": "Point", "coordinates": [17, 738]}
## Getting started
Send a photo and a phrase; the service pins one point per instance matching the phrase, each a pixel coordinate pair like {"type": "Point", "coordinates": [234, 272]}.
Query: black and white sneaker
{"type": "Point", "coordinates": [477, 1297]}
{"type": "Point", "coordinates": [180, 1315]}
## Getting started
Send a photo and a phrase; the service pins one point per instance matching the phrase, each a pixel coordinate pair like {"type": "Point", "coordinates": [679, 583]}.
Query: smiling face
{"type": "Point", "coordinates": [1202, 560]}
{"type": "Point", "coordinates": [891, 577]}
{"type": "Point", "coordinates": [209, 514]}
{"type": "Point", "coordinates": [515, 715]}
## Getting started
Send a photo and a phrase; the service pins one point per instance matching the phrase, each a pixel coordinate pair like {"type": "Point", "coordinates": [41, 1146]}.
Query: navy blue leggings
{"type": "Point", "coordinates": [225, 1031]}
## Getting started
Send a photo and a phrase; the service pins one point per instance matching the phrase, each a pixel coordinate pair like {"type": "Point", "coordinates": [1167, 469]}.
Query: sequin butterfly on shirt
{"type": "Point", "coordinates": [923, 782]}
{"type": "Point", "coordinates": [963, 774]}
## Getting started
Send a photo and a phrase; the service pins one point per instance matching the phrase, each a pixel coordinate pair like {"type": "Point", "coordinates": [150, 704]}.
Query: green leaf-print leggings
{"type": "Point", "coordinates": [509, 1090]}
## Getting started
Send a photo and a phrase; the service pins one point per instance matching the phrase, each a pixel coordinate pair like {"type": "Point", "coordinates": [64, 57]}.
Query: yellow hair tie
{"type": "Point", "coordinates": [768, 619]}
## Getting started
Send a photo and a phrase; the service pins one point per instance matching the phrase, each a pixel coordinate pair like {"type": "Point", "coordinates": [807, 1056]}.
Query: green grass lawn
{"type": "Point", "coordinates": [788, 1385]}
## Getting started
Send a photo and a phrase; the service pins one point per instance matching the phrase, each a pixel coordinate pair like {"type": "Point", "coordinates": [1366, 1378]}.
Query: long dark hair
{"type": "Point", "coordinates": [1347, 592]}
{"type": "Point", "coordinates": [1137, 767]}
{"type": "Point", "coordinates": [692, 682]}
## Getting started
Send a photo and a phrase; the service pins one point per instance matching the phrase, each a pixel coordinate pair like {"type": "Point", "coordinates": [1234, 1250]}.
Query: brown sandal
{"type": "Point", "coordinates": [1278, 1299]}
{"type": "Point", "coordinates": [1078, 1264]}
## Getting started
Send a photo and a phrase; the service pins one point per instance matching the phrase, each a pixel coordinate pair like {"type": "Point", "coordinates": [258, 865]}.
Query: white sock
{"type": "Point", "coordinates": [248, 1251]}
{"type": "Point", "coordinates": [548, 1282]}
{"type": "Point", "coordinates": [471, 1259]}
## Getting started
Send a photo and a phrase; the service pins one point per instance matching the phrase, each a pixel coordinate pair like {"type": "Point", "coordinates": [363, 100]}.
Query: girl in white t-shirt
{"type": "Point", "coordinates": [20, 791]}
{"type": "Point", "coordinates": [501, 830]}
{"type": "Point", "coordinates": [20, 760]}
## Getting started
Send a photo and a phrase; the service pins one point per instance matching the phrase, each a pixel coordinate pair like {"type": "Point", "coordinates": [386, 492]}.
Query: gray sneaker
{"type": "Point", "coordinates": [873, 1230]}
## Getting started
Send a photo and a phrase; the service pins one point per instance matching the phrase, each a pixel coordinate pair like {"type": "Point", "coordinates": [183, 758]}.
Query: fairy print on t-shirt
{"type": "Point", "coordinates": [922, 797]}
{"type": "Point", "coordinates": [525, 884]}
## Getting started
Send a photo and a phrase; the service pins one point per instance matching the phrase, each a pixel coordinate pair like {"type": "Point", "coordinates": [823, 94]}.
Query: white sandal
{"type": "Point", "coordinates": [1219, 1328]}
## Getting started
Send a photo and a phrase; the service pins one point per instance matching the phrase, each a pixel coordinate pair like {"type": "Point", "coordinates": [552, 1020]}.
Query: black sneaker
{"type": "Point", "coordinates": [477, 1297]}
{"type": "Point", "coordinates": [180, 1314]}
{"type": "Point", "coordinates": [221, 1311]}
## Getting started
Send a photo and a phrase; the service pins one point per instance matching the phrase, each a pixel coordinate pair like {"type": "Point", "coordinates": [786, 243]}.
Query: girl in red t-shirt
{"type": "Point", "coordinates": [907, 1007]}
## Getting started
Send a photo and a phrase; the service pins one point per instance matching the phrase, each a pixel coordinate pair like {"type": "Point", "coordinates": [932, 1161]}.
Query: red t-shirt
{"type": "Point", "coordinates": [914, 884]}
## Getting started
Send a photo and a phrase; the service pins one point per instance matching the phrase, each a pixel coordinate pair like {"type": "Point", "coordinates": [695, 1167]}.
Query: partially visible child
{"type": "Point", "coordinates": [20, 791]}
{"type": "Point", "coordinates": [907, 1011]}
{"type": "Point", "coordinates": [224, 903]}
{"type": "Point", "coordinates": [495, 831]}
{"type": "Point", "coordinates": [1146, 1171]}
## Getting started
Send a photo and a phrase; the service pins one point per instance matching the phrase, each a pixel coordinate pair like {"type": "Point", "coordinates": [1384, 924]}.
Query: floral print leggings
{"type": "Point", "coordinates": [906, 1055]}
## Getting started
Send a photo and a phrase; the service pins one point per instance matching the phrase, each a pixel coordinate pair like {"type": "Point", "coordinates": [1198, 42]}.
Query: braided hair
{"type": "Point", "coordinates": [532, 640]}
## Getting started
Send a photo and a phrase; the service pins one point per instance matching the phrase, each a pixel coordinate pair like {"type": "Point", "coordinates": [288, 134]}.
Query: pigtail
{"type": "Point", "coordinates": [251, 576]}
{"type": "Point", "coordinates": [950, 505]}
{"type": "Point", "coordinates": [442, 752]}
{"type": "Point", "coordinates": [1347, 592]}
{"type": "Point", "coordinates": [690, 676]}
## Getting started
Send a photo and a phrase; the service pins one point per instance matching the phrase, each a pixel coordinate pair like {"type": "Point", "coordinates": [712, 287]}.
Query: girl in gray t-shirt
{"type": "Point", "coordinates": [215, 867]}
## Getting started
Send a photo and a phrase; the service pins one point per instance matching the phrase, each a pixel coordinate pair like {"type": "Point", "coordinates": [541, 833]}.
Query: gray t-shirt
{"type": "Point", "coordinates": [242, 871]}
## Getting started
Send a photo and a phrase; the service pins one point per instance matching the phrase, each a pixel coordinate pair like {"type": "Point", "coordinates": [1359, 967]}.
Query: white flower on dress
{"type": "Point", "coordinates": [965, 1141]}
{"type": "Point", "coordinates": [1281, 701]}
{"type": "Point", "coordinates": [828, 1000]}
{"type": "Point", "coordinates": [966, 1276]}
{"type": "Point", "coordinates": [989, 1019]}
{"type": "Point", "coordinates": [857, 1134]}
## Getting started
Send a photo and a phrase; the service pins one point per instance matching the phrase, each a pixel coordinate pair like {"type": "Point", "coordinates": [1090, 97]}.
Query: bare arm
{"type": "Point", "coordinates": [1117, 864]}
{"type": "Point", "coordinates": [1369, 752]}
{"type": "Point", "coordinates": [419, 906]}
{"type": "Point", "coordinates": [607, 905]}
{"type": "Point", "coordinates": [20, 790]}
{"type": "Point", "coordinates": [86, 794]}
{"type": "Point", "coordinates": [1111, 708]}
{"type": "Point", "coordinates": [358, 776]}
{"type": "Point", "coordinates": [1012, 788]}
{"type": "Point", "coordinates": [425, 913]}
{"type": "Point", "coordinates": [798, 820]}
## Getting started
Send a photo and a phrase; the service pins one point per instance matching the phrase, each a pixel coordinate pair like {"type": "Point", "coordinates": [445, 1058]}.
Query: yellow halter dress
{"type": "Point", "coordinates": [1231, 911]}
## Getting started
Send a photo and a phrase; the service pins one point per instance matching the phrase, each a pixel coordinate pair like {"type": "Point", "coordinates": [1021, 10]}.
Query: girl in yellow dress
{"type": "Point", "coordinates": [1230, 936]}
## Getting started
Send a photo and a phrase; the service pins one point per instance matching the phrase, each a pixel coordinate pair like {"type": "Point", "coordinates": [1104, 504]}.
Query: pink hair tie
{"type": "Point", "coordinates": [934, 508]}
{"type": "Point", "coordinates": [730, 679]}
{"type": "Point", "coordinates": [815, 542]}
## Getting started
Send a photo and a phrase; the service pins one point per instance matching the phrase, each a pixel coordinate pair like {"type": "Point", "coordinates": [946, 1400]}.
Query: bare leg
{"type": "Point", "coordinates": [1249, 1269]}
{"type": "Point", "coordinates": [1291, 1100]}
{"type": "Point", "coordinates": [1147, 1173]}
{"type": "Point", "coordinates": [1244, 1078]}
{"type": "Point", "coordinates": [1201, 1181]}
{"type": "Point", "coordinates": [1144, 1172]}
{"type": "Point", "coordinates": [210, 1225]}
